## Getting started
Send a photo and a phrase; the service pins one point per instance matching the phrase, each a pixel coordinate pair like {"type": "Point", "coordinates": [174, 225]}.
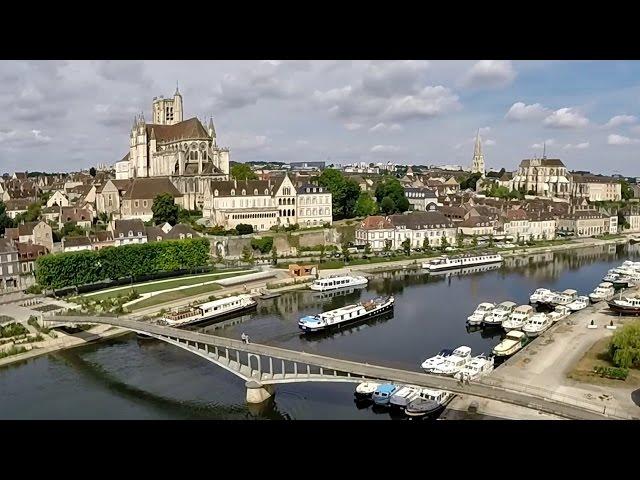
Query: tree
{"type": "Point", "coordinates": [425, 244]}
{"type": "Point", "coordinates": [387, 245]}
{"type": "Point", "coordinates": [219, 258]}
{"type": "Point", "coordinates": [392, 188]}
{"type": "Point", "coordinates": [406, 246]}
{"type": "Point", "coordinates": [470, 181]}
{"type": "Point", "coordinates": [387, 206]}
{"type": "Point", "coordinates": [242, 171]}
{"type": "Point", "coordinates": [626, 190]}
{"type": "Point", "coordinates": [344, 191]}
{"type": "Point", "coordinates": [31, 215]}
{"type": "Point", "coordinates": [165, 209]}
{"type": "Point", "coordinates": [346, 254]}
{"type": "Point", "coordinates": [474, 241]}
{"type": "Point", "coordinates": [544, 236]}
{"type": "Point", "coordinates": [184, 216]}
{"type": "Point", "coordinates": [274, 254]}
{"type": "Point", "coordinates": [92, 171]}
{"type": "Point", "coordinates": [460, 239]}
{"type": "Point", "coordinates": [491, 241]}
{"type": "Point", "coordinates": [624, 347]}
{"type": "Point", "coordinates": [72, 229]}
{"type": "Point", "coordinates": [247, 254]}
{"type": "Point", "coordinates": [622, 221]}
{"type": "Point", "coordinates": [365, 205]}
{"type": "Point", "coordinates": [323, 252]}
{"type": "Point", "coordinates": [264, 244]}
{"type": "Point", "coordinates": [367, 249]}
{"type": "Point", "coordinates": [244, 229]}
{"type": "Point", "coordinates": [5, 220]}
{"type": "Point", "coordinates": [444, 243]}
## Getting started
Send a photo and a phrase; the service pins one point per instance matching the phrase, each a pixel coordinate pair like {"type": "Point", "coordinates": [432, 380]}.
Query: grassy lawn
{"type": "Point", "coordinates": [598, 355]}
{"type": "Point", "coordinates": [164, 285]}
{"type": "Point", "coordinates": [174, 295]}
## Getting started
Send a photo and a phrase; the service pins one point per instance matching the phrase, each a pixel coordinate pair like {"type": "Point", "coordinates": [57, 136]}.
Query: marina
{"type": "Point", "coordinates": [120, 378]}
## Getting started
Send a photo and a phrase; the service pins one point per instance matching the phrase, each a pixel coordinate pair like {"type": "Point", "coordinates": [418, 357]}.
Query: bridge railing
{"type": "Point", "coordinates": [595, 406]}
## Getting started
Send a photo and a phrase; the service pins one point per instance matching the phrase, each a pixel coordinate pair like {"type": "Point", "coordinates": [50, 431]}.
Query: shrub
{"type": "Point", "coordinates": [244, 229]}
{"type": "Point", "coordinates": [34, 289]}
{"type": "Point", "coordinates": [13, 330]}
{"type": "Point", "coordinates": [264, 244]}
{"type": "Point", "coordinates": [612, 372]}
{"type": "Point", "coordinates": [624, 348]}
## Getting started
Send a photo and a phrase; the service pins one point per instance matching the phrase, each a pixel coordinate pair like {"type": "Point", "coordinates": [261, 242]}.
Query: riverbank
{"type": "Point", "coordinates": [65, 341]}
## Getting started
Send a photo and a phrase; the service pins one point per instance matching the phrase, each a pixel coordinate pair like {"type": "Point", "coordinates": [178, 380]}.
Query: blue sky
{"type": "Point", "coordinates": [70, 115]}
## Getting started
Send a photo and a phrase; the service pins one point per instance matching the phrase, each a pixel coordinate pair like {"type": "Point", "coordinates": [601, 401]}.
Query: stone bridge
{"type": "Point", "coordinates": [262, 367]}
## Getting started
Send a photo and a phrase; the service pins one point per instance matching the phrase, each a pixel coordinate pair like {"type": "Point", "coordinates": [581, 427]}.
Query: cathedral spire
{"type": "Point", "coordinates": [477, 151]}
{"type": "Point", "coordinates": [211, 128]}
{"type": "Point", "coordinates": [478, 158]}
{"type": "Point", "coordinates": [177, 90]}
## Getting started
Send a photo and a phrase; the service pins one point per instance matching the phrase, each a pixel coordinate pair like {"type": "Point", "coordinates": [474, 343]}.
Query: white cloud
{"type": "Point", "coordinates": [520, 111]}
{"type": "Point", "coordinates": [620, 120]}
{"type": "Point", "coordinates": [385, 149]}
{"type": "Point", "coordinates": [489, 143]}
{"type": "Point", "coordinates": [549, 142]}
{"type": "Point", "coordinates": [578, 146]}
{"type": "Point", "coordinates": [381, 126]}
{"type": "Point", "coordinates": [353, 126]}
{"type": "Point", "coordinates": [490, 74]}
{"type": "Point", "coordinates": [395, 127]}
{"type": "Point", "coordinates": [23, 138]}
{"type": "Point", "coordinates": [429, 102]}
{"type": "Point", "coordinates": [566, 118]}
{"type": "Point", "coordinates": [614, 139]}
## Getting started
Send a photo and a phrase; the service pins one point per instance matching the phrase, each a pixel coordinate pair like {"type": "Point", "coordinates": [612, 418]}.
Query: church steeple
{"type": "Point", "coordinates": [177, 94]}
{"type": "Point", "coordinates": [478, 158]}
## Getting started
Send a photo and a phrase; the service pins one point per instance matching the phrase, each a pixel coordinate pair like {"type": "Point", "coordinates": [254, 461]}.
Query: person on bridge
{"type": "Point", "coordinates": [244, 337]}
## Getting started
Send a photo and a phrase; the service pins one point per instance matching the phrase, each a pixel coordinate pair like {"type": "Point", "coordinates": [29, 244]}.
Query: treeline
{"type": "Point", "coordinates": [79, 268]}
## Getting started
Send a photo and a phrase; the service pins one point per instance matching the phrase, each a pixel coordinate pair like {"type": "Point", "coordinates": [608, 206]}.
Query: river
{"type": "Point", "coordinates": [127, 378]}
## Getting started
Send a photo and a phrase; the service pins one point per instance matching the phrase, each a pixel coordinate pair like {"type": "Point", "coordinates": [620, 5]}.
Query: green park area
{"type": "Point", "coordinates": [174, 295]}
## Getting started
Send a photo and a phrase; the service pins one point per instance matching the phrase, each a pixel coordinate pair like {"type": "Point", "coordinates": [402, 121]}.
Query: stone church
{"type": "Point", "coordinates": [182, 150]}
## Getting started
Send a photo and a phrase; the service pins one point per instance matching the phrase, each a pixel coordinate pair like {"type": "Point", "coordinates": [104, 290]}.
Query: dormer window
{"type": "Point", "coordinates": [139, 234]}
{"type": "Point", "coordinates": [215, 193]}
{"type": "Point", "coordinates": [266, 191]}
{"type": "Point", "coordinates": [130, 233]}
{"type": "Point", "coordinates": [189, 235]}
{"type": "Point", "coordinates": [255, 191]}
{"type": "Point", "coordinates": [233, 192]}
{"type": "Point", "coordinates": [121, 235]}
{"type": "Point", "coordinates": [181, 236]}
{"type": "Point", "coordinates": [159, 238]}
{"type": "Point", "coordinates": [244, 192]}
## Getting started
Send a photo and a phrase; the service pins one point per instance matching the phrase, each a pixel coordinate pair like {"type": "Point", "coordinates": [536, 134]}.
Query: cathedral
{"type": "Point", "coordinates": [182, 150]}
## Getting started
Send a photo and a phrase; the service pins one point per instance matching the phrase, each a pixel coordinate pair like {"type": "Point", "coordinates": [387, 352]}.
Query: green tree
{"type": "Point", "coordinates": [387, 206]}
{"type": "Point", "coordinates": [544, 236]}
{"type": "Point", "coordinates": [247, 254]}
{"type": "Point", "coordinates": [264, 244]}
{"type": "Point", "coordinates": [425, 244]}
{"type": "Point", "coordinates": [72, 229]}
{"type": "Point", "coordinates": [5, 220]}
{"type": "Point", "coordinates": [344, 192]}
{"type": "Point", "coordinates": [346, 254]}
{"type": "Point", "coordinates": [184, 216]}
{"type": "Point", "coordinates": [624, 347]}
{"type": "Point", "coordinates": [406, 246]}
{"type": "Point", "coordinates": [244, 229]}
{"type": "Point", "coordinates": [626, 190]}
{"type": "Point", "coordinates": [470, 181]}
{"type": "Point", "coordinates": [323, 252]}
{"type": "Point", "coordinates": [460, 239]}
{"type": "Point", "coordinates": [387, 245]}
{"type": "Point", "coordinates": [274, 254]}
{"type": "Point", "coordinates": [444, 243]}
{"type": "Point", "coordinates": [92, 171]}
{"type": "Point", "coordinates": [622, 221]}
{"type": "Point", "coordinates": [392, 188]}
{"type": "Point", "coordinates": [367, 249]}
{"type": "Point", "coordinates": [165, 209]}
{"type": "Point", "coordinates": [31, 215]}
{"type": "Point", "coordinates": [242, 171]}
{"type": "Point", "coordinates": [366, 205]}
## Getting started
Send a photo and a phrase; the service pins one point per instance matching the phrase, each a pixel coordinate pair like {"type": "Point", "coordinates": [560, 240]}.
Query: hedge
{"type": "Point", "coordinates": [89, 266]}
{"type": "Point", "coordinates": [612, 372]}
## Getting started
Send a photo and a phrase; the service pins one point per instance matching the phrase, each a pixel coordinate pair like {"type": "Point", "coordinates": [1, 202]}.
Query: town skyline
{"type": "Point", "coordinates": [78, 113]}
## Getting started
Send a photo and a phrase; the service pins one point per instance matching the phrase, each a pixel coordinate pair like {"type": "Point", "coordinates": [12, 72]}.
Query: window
{"type": "Point", "coordinates": [136, 203]}
{"type": "Point", "coordinates": [144, 203]}
{"type": "Point", "coordinates": [130, 233]}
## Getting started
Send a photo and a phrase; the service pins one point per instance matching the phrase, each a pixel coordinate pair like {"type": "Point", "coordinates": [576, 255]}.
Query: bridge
{"type": "Point", "coordinates": [262, 367]}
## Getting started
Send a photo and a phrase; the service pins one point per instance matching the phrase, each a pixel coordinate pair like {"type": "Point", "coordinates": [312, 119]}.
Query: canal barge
{"type": "Point", "coordinates": [205, 312]}
{"type": "Point", "coordinates": [338, 281]}
{"type": "Point", "coordinates": [461, 261]}
{"type": "Point", "coordinates": [346, 315]}
{"type": "Point", "coordinates": [428, 402]}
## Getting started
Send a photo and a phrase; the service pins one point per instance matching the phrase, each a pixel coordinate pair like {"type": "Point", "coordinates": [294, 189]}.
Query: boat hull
{"type": "Point", "coordinates": [350, 321]}
{"type": "Point", "coordinates": [218, 317]}
{"type": "Point", "coordinates": [456, 265]}
{"type": "Point", "coordinates": [624, 310]}
{"type": "Point", "coordinates": [355, 283]}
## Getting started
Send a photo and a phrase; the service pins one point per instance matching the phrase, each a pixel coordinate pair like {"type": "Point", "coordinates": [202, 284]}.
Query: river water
{"type": "Point", "coordinates": [127, 378]}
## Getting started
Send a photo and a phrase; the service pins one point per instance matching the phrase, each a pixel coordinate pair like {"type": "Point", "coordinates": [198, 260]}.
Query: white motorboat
{"type": "Point", "coordinates": [579, 303]}
{"type": "Point", "coordinates": [536, 325]}
{"type": "Point", "coordinates": [427, 402]}
{"type": "Point", "coordinates": [513, 342]}
{"type": "Point", "coordinates": [479, 366]}
{"type": "Point", "coordinates": [460, 357]}
{"type": "Point", "coordinates": [603, 291]}
{"type": "Point", "coordinates": [566, 297]}
{"type": "Point", "coordinates": [461, 261]}
{"type": "Point", "coordinates": [345, 315]}
{"type": "Point", "coordinates": [366, 389]}
{"type": "Point", "coordinates": [403, 396]}
{"type": "Point", "coordinates": [518, 318]}
{"type": "Point", "coordinates": [625, 305]}
{"type": "Point", "coordinates": [208, 311]}
{"type": "Point", "coordinates": [610, 277]}
{"type": "Point", "coordinates": [559, 313]}
{"type": "Point", "coordinates": [480, 313]}
{"type": "Point", "coordinates": [430, 363]}
{"type": "Point", "coordinates": [338, 281]}
{"type": "Point", "coordinates": [550, 298]}
{"type": "Point", "coordinates": [499, 314]}
{"type": "Point", "coordinates": [538, 295]}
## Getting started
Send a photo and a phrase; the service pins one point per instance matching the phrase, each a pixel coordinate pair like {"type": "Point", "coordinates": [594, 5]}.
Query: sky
{"type": "Point", "coordinates": [69, 115]}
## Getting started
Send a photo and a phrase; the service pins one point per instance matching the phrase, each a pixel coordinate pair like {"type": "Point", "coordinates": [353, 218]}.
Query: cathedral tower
{"type": "Point", "coordinates": [478, 158]}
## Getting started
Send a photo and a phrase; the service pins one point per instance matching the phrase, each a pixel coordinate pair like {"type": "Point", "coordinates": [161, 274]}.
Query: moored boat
{"type": "Point", "coordinates": [365, 389]}
{"type": "Point", "coordinates": [208, 311]}
{"type": "Point", "coordinates": [559, 313]}
{"type": "Point", "coordinates": [461, 261]}
{"type": "Point", "coordinates": [480, 313]}
{"type": "Point", "coordinates": [476, 368]}
{"type": "Point", "coordinates": [345, 315]}
{"type": "Point", "coordinates": [460, 357]}
{"type": "Point", "coordinates": [499, 314]}
{"type": "Point", "coordinates": [578, 304]}
{"type": "Point", "coordinates": [430, 363]}
{"type": "Point", "coordinates": [537, 325]}
{"type": "Point", "coordinates": [428, 402]}
{"type": "Point", "coordinates": [518, 318]}
{"type": "Point", "coordinates": [382, 395]}
{"type": "Point", "coordinates": [403, 396]}
{"type": "Point", "coordinates": [625, 305]}
{"type": "Point", "coordinates": [604, 291]}
{"type": "Point", "coordinates": [538, 295]}
{"type": "Point", "coordinates": [513, 342]}
{"type": "Point", "coordinates": [338, 281]}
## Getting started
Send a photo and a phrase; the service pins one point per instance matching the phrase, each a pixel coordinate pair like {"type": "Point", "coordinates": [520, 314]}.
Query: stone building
{"type": "Point", "coordinates": [422, 199]}
{"type": "Point", "coordinates": [9, 265]}
{"type": "Point", "coordinates": [314, 206]}
{"type": "Point", "coordinates": [595, 187]}
{"type": "Point", "coordinates": [546, 177]}
{"type": "Point", "coordinates": [34, 233]}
